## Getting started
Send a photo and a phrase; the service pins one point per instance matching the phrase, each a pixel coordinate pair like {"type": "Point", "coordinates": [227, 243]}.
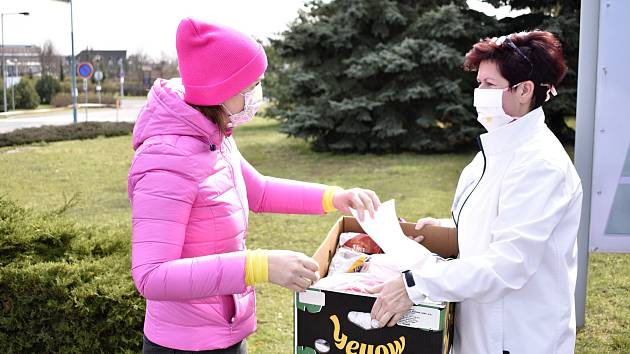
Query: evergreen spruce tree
{"type": "Point", "coordinates": [379, 75]}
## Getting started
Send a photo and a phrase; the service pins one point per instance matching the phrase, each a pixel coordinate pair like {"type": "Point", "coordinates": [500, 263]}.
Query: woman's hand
{"type": "Point", "coordinates": [292, 270]}
{"type": "Point", "coordinates": [358, 199]}
{"type": "Point", "coordinates": [420, 224]}
{"type": "Point", "coordinates": [392, 302]}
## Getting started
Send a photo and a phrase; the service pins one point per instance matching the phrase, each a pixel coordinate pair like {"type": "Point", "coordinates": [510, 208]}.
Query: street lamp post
{"type": "Point", "coordinates": [4, 64]}
{"type": "Point", "coordinates": [15, 71]}
{"type": "Point", "coordinates": [73, 65]}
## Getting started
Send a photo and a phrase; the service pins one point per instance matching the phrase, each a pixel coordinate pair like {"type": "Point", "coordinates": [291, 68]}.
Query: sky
{"type": "Point", "coordinates": [144, 26]}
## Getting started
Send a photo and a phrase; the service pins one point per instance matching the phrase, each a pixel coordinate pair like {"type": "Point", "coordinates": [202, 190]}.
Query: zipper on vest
{"type": "Point", "coordinates": [230, 161]}
{"type": "Point", "coordinates": [238, 196]}
{"type": "Point", "coordinates": [475, 187]}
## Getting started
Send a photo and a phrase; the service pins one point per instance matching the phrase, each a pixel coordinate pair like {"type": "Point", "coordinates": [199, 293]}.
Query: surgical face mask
{"type": "Point", "coordinates": [489, 105]}
{"type": "Point", "coordinates": [253, 101]}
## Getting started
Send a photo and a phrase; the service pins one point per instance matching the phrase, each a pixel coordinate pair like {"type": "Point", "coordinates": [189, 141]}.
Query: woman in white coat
{"type": "Point", "coordinates": [516, 209]}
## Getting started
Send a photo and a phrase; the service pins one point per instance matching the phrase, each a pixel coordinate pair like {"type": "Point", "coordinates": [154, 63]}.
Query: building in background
{"type": "Point", "coordinates": [107, 61]}
{"type": "Point", "coordinates": [22, 60]}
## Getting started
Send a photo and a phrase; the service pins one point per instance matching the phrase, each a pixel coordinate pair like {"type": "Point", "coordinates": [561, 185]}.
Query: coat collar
{"type": "Point", "coordinates": [512, 135]}
{"type": "Point", "coordinates": [166, 113]}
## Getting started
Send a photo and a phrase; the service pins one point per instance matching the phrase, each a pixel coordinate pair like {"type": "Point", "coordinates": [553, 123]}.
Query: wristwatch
{"type": "Point", "coordinates": [409, 281]}
{"type": "Point", "coordinates": [414, 293]}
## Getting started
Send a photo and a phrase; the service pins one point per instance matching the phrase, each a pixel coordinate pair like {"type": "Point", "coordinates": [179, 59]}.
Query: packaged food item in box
{"type": "Point", "coordinates": [359, 242]}
{"type": "Point", "coordinates": [347, 261]}
{"type": "Point", "coordinates": [375, 270]}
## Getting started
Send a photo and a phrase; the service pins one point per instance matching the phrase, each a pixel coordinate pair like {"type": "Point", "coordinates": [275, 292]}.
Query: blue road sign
{"type": "Point", "coordinates": [85, 70]}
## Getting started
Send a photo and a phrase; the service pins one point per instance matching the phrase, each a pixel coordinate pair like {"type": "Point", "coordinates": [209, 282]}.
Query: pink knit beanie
{"type": "Point", "coordinates": [216, 62]}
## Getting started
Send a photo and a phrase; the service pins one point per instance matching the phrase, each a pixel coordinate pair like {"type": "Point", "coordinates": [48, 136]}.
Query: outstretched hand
{"type": "Point", "coordinates": [420, 224]}
{"type": "Point", "coordinates": [356, 198]}
{"type": "Point", "coordinates": [292, 270]}
{"type": "Point", "coordinates": [392, 302]}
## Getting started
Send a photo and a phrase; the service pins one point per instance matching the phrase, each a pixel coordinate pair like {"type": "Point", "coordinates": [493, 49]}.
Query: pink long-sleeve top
{"type": "Point", "coordinates": [191, 192]}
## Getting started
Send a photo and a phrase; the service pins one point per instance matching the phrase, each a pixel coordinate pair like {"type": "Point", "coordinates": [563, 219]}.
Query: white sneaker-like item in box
{"type": "Point", "coordinates": [363, 320]}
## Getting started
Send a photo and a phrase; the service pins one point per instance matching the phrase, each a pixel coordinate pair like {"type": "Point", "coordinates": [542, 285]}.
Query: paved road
{"type": "Point", "coordinates": [128, 112]}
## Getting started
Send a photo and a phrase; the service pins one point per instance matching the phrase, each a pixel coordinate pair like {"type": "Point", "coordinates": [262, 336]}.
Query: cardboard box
{"type": "Point", "coordinates": [321, 316]}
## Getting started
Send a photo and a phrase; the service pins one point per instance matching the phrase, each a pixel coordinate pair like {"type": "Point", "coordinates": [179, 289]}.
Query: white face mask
{"type": "Point", "coordinates": [489, 105]}
{"type": "Point", "coordinates": [253, 101]}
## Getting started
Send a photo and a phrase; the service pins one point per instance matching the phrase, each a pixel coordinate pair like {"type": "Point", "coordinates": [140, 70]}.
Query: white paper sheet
{"type": "Point", "coordinates": [385, 230]}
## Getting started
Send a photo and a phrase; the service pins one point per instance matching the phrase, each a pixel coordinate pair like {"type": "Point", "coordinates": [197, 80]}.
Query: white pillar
{"type": "Point", "coordinates": [585, 125]}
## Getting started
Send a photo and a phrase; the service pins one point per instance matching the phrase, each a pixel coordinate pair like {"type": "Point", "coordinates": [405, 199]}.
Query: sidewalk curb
{"type": "Point", "coordinates": [14, 114]}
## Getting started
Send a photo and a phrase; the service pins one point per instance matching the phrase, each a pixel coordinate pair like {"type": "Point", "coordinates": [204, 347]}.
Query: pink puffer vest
{"type": "Point", "coordinates": [191, 192]}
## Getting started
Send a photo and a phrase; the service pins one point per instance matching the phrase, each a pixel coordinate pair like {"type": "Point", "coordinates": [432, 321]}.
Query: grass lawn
{"type": "Point", "coordinates": [95, 171]}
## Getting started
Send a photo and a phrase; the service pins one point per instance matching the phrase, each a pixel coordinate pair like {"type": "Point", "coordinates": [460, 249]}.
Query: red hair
{"type": "Point", "coordinates": [544, 63]}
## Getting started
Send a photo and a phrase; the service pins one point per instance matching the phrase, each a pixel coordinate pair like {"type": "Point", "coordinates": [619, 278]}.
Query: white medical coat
{"type": "Point", "coordinates": [517, 211]}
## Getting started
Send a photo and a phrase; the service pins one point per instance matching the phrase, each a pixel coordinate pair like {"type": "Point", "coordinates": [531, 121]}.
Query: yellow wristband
{"type": "Point", "coordinates": [327, 198]}
{"type": "Point", "coordinates": [256, 267]}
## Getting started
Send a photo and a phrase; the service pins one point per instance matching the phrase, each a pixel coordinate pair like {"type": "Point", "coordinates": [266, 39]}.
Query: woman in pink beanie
{"type": "Point", "coordinates": [191, 191]}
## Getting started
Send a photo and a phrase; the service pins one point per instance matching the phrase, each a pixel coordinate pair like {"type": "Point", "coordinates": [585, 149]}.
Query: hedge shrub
{"type": "Point", "coordinates": [50, 133]}
{"type": "Point", "coordinates": [26, 237]}
{"type": "Point", "coordinates": [135, 88]}
{"type": "Point", "coordinates": [65, 287]}
{"type": "Point", "coordinates": [111, 86]}
{"type": "Point", "coordinates": [26, 96]}
{"type": "Point", "coordinates": [47, 87]}
{"type": "Point", "coordinates": [89, 306]}
{"type": "Point", "coordinates": [63, 99]}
